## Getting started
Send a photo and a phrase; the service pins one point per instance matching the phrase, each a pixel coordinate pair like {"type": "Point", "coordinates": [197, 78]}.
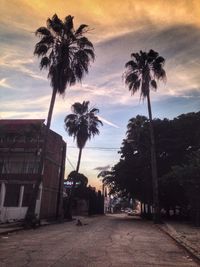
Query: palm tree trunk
{"type": "Point", "coordinates": [30, 215]}
{"type": "Point", "coordinates": [156, 215]}
{"type": "Point", "coordinates": [53, 99]}
{"type": "Point", "coordinates": [79, 160]}
{"type": "Point", "coordinates": [69, 213]}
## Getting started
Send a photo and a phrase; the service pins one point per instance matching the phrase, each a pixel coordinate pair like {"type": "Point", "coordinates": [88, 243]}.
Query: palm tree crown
{"type": "Point", "coordinates": [143, 71]}
{"type": "Point", "coordinates": [83, 123]}
{"type": "Point", "coordinates": [65, 52]}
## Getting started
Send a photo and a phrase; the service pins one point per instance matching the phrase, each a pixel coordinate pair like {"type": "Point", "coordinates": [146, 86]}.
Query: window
{"type": "Point", "coordinates": [17, 166]}
{"type": "Point", "coordinates": [12, 195]}
{"type": "Point", "coordinates": [28, 189]}
{"type": "Point", "coordinates": [1, 166]}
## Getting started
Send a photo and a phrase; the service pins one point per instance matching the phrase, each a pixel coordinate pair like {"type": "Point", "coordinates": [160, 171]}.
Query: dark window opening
{"type": "Point", "coordinates": [12, 195]}
{"type": "Point", "coordinates": [28, 189]}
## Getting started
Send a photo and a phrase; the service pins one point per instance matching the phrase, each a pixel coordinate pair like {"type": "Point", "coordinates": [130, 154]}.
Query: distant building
{"type": "Point", "coordinates": [21, 143]}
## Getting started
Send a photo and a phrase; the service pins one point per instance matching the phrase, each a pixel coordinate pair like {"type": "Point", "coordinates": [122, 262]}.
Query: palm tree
{"type": "Point", "coordinates": [82, 124]}
{"type": "Point", "coordinates": [141, 74]}
{"type": "Point", "coordinates": [66, 53]}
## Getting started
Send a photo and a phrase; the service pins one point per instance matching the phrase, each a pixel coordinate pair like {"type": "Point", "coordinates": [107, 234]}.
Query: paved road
{"type": "Point", "coordinates": [113, 241]}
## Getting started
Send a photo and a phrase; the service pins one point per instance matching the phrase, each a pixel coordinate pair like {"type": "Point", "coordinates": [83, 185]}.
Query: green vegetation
{"type": "Point", "coordinates": [178, 158]}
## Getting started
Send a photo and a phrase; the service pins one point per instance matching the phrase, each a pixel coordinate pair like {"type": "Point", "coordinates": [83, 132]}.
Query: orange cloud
{"type": "Point", "coordinates": [108, 18]}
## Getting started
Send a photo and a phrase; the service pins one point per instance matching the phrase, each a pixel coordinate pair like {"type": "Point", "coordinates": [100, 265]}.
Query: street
{"type": "Point", "coordinates": [112, 240]}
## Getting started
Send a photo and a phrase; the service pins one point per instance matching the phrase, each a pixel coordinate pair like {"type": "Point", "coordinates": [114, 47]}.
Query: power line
{"type": "Point", "coordinates": [98, 148]}
{"type": "Point", "coordinates": [70, 162]}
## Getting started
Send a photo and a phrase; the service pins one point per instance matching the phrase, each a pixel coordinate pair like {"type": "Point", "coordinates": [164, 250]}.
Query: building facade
{"type": "Point", "coordinates": [21, 143]}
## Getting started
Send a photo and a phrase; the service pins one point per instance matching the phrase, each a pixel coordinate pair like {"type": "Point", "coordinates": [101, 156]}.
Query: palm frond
{"type": "Point", "coordinates": [55, 24]}
{"type": "Point", "coordinates": [131, 64]}
{"type": "Point", "coordinates": [160, 60]}
{"type": "Point", "coordinates": [40, 49]}
{"type": "Point", "coordinates": [136, 56]}
{"type": "Point", "coordinates": [90, 52]}
{"type": "Point", "coordinates": [42, 31]}
{"type": "Point", "coordinates": [46, 40]}
{"type": "Point", "coordinates": [83, 42]}
{"type": "Point", "coordinates": [68, 22]}
{"type": "Point", "coordinates": [44, 63]}
{"type": "Point", "coordinates": [152, 54]}
{"type": "Point", "coordinates": [94, 110]}
{"type": "Point", "coordinates": [131, 77]}
{"type": "Point", "coordinates": [154, 84]}
{"type": "Point", "coordinates": [79, 72]}
{"type": "Point", "coordinates": [81, 29]}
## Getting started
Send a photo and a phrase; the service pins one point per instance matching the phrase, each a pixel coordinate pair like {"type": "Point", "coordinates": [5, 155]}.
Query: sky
{"type": "Point", "coordinates": [117, 29]}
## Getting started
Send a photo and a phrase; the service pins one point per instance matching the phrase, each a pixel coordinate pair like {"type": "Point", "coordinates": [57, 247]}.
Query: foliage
{"type": "Point", "coordinates": [177, 144]}
{"type": "Point", "coordinates": [82, 124]}
{"type": "Point", "coordinates": [143, 70]}
{"type": "Point", "coordinates": [64, 51]}
{"type": "Point", "coordinates": [74, 176]}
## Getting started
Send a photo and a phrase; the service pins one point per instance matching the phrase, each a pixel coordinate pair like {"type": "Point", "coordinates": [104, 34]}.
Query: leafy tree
{"type": "Point", "coordinates": [177, 140]}
{"type": "Point", "coordinates": [66, 53]}
{"type": "Point", "coordinates": [82, 124]}
{"type": "Point", "coordinates": [142, 72]}
{"type": "Point", "coordinates": [187, 175]}
{"type": "Point", "coordinates": [80, 177]}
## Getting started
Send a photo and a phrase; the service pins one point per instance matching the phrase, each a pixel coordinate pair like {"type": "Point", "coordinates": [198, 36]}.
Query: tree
{"type": "Point", "coordinates": [66, 53]}
{"type": "Point", "coordinates": [177, 144]}
{"type": "Point", "coordinates": [142, 73]}
{"type": "Point", "coordinates": [82, 124]}
{"type": "Point", "coordinates": [187, 175]}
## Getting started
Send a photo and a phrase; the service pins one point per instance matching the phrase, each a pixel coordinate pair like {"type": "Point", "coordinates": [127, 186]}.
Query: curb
{"type": "Point", "coordinates": [171, 232]}
{"type": "Point", "coordinates": [6, 232]}
{"type": "Point", "coordinates": [21, 228]}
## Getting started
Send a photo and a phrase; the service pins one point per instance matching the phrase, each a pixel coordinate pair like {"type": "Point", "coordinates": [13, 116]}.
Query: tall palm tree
{"type": "Point", "coordinates": [141, 74]}
{"type": "Point", "coordinates": [66, 53]}
{"type": "Point", "coordinates": [82, 124]}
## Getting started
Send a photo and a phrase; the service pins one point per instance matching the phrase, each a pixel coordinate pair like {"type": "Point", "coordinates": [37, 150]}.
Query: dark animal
{"type": "Point", "coordinates": [79, 223]}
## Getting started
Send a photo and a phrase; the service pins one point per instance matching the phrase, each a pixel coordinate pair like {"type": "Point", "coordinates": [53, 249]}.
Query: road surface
{"type": "Point", "coordinates": [113, 240]}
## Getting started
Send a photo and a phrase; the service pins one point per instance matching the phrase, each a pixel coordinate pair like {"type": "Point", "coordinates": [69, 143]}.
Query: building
{"type": "Point", "coordinates": [21, 143]}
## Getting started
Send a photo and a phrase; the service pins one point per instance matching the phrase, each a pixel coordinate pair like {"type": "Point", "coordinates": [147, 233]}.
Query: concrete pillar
{"type": "Point", "coordinates": [2, 194]}
{"type": "Point", "coordinates": [38, 201]}
{"type": "Point", "coordinates": [21, 195]}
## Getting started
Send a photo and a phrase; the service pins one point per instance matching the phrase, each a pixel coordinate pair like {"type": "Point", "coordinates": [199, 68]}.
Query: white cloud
{"type": "Point", "coordinates": [4, 83]}
{"type": "Point", "coordinates": [11, 61]}
{"type": "Point", "coordinates": [108, 122]}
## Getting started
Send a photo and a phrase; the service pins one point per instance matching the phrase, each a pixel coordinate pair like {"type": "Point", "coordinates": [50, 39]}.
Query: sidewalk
{"type": "Point", "coordinates": [185, 234]}
{"type": "Point", "coordinates": [6, 228]}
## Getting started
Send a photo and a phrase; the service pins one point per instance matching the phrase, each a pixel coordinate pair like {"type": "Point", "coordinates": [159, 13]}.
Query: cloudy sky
{"type": "Point", "coordinates": [118, 28]}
